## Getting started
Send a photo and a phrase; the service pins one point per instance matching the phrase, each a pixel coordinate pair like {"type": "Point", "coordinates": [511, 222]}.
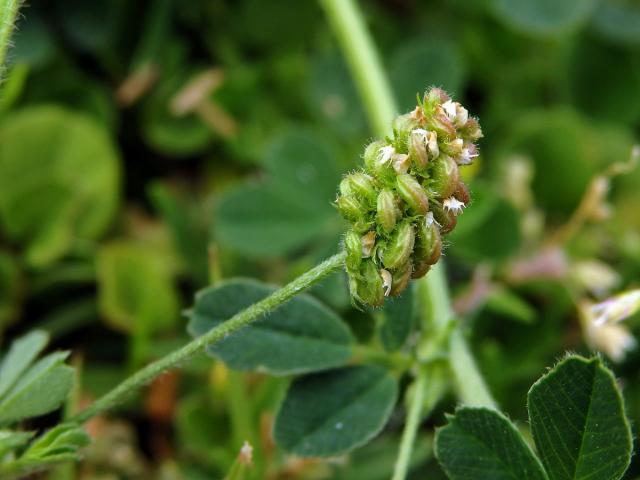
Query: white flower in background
{"type": "Point", "coordinates": [597, 277]}
{"type": "Point", "coordinates": [616, 309]}
{"type": "Point", "coordinates": [601, 325]}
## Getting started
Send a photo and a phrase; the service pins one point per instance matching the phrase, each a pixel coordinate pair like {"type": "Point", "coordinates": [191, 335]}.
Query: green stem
{"type": "Point", "coordinates": [8, 14]}
{"type": "Point", "coordinates": [235, 323]}
{"type": "Point", "coordinates": [360, 52]}
{"type": "Point", "coordinates": [410, 429]}
{"type": "Point", "coordinates": [347, 23]}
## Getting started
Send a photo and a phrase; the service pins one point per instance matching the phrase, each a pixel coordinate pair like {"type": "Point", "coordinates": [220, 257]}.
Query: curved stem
{"type": "Point", "coordinates": [401, 467]}
{"type": "Point", "coordinates": [362, 57]}
{"type": "Point", "coordinates": [235, 323]}
{"type": "Point", "coordinates": [8, 14]}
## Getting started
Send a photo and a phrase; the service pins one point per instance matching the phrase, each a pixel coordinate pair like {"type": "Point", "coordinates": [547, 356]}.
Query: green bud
{"type": "Point", "coordinates": [378, 160]}
{"type": "Point", "coordinates": [400, 279]}
{"type": "Point", "coordinates": [360, 185]}
{"type": "Point", "coordinates": [427, 249]}
{"type": "Point", "coordinates": [387, 210]}
{"type": "Point", "coordinates": [418, 148]}
{"type": "Point", "coordinates": [445, 176]}
{"type": "Point", "coordinates": [353, 247]}
{"type": "Point", "coordinates": [402, 127]}
{"type": "Point", "coordinates": [399, 248]}
{"type": "Point", "coordinates": [453, 148]}
{"type": "Point", "coordinates": [412, 192]}
{"type": "Point", "coordinates": [442, 125]}
{"type": "Point", "coordinates": [433, 98]}
{"type": "Point", "coordinates": [471, 130]}
{"type": "Point", "coordinates": [445, 218]}
{"type": "Point", "coordinates": [369, 286]}
{"type": "Point", "coordinates": [350, 208]}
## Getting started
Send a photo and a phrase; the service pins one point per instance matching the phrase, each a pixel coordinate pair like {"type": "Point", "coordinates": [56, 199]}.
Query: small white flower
{"type": "Point", "coordinates": [387, 280]}
{"type": "Point", "coordinates": [428, 219]}
{"type": "Point", "coordinates": [467, 156]}
{"type": "Point", "coordinates": [616, 309]}
{"type": "Point", "coordinates": [385, 154]}
{"type": "Point", "coordinates": [450, 109]}
{"type": "Point", "coordinates": [614, 340]}
{"type": "Point", "coordinates": [453, 205]}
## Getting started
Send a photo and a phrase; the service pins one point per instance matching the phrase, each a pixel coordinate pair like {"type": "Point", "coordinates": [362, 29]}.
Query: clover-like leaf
{"type": "Point", "coordinates": [578, 421]}
{"type": "Point", "coordinates": [300, 336]}
{"type": "Point", "coordinates": [543, 17]}
{"type": "Point", "coordinates": [330, 413]}
{"type": "Point", "coordinates": [483, 443]}
{"type": "Point", "coordinates": [59, 179]}
{"type": "Point", "coordinates": [291, 208]}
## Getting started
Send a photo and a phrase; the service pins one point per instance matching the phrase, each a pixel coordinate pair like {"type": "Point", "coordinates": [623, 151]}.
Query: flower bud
{"type": "Point", "coordinates": [401, 163]}
{"type": "Point", "coordinates": [434, 98]}
{"type": "Point", "coordinates": [387, 210]}
{"type": "Point", "coordinates": [399, 248]}
{"type": "Point", "coordinates": [350, 208]}
{"type": "Point", "coordinates": [369, 285]}
{"type": "Point", "coordinates": [456, 113]}
{"type": "Point", "coordinates": [462, 193]}
{"type": "Point", "coordinates": [445, 218]}
{"type": "Point", "coordinates": [427, 249]}
{"type": "Point", "coordinates": [453, 148]}
{"type": "Point", "coordinates": [412, 192]}
{"type": "Point", "coordinates": [359, 185]}
{"type": "Point", "coordinates": [418, 148]}
{"type": "Point", "coordinates": [471, 130]}
{"type": "Point", "coordinates": [400, 279]}
{"type": "Point", "coordinates": [402, 127]}
{"type": "Point", "coordinates": [441, 124]}
{"type": "Point", "coordinates": [444, 176]}
{"type": "Point", "coordinates": [353, 247]}
{"type": "Point", "coordinates": [377, 160]}
{"type": "Point", "coordinates": [368, 241]}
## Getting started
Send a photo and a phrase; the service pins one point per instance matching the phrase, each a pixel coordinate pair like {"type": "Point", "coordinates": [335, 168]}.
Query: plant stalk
{"type": "Point", "coordinates": [8, 14]}
{"type": "Point", "coordinates": [410, 431]}
{"type": "Point", "coordinates": [235, 323]}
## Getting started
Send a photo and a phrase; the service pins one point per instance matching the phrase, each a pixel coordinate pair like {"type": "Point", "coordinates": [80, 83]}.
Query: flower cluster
{"type": "Point", "coordinates": [406, 197]}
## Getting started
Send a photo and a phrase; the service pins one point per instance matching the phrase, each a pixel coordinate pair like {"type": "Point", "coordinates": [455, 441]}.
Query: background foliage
{"type": "Point", "coordinates": [149, 149]}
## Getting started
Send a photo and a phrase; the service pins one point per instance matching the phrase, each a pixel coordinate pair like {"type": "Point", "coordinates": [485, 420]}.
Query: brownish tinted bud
{"type": "Point", "coordinates": [471, 130]}
{"type": "Point", "coordinates": [445, 218]}
{"type": "Point", "coordinates": [444, 176]}
{"type": "Point", "coordinates": [400, 279]}
{"type": "Point", "coordinates": [462, 193]}
{"type": "Point", "coordinates": [412, 192]}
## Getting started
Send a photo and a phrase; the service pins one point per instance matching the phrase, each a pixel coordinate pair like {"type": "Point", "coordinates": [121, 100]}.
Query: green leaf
{"type": "Point", "coordinates": [44, 203]}
{"type": "Point", "coordinates": [483, 443]}
{"type": "Point", "coordinates": [42, 389]}
{"type": "Point", "coordinates": [578, 421]}
{"type": "Point", "coordinates": [300, 336]}
{"type": "Point", "coordinates": [423, 62]}
{"type": "Point", "coordinates": [136, 290]}
{"type": "Point", "coordinates": [543, 18]}
{"type": "Point", "coordinates": [61, 441]}
{"type": "Point", "coordinates": [22, 353]}
{"type": "Point", "coordinates": [10, 441]}
{"type": "Point", "coordinates": [505, 302]}
{"type": "Point", "coordinates": [397, 320]}
{"type": "Point", "coordinates": [291, 209]}
{"type": "Point", "coordinates": [618, 21]}
{"type": "Point", "coordinates": [333, 412]}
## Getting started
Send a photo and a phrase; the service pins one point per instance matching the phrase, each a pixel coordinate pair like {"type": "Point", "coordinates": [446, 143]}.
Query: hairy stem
{"type": "Point", "coordinates": [361, 55]}
{"type": "Point", "coordinates": [410, 429]}
{"type": "Point", "coordinates": [8, 14]}
{"type": "Point", "coordinates": [235, 323]}
{"type": "Point", "coordinates": [347, 23]}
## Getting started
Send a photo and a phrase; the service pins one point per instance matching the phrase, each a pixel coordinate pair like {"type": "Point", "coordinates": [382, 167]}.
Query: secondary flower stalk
{"type": "Point", "coordinates": [406, 197]}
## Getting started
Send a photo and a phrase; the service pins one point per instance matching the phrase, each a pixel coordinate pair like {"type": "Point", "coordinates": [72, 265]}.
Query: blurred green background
{"type": "Point", "coordinates": [150, 148]}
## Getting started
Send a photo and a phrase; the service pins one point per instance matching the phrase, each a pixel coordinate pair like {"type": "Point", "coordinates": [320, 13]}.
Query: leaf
{"type": "Point", "coordinates": [292, 208]}
{"type": "Point", "coordinates": [543, 18]}
{"type": "Point", "coordinates": [333, 412]}
{"type": "Point", "coordinates": [300, 336]}
{"type": "Point", "coordinates": [483, 443]}
{"type": "Point", "coordinates": [42, 389]}
{"type": "Point", "coordinates": [62, 441]}
{"type": "Point", "coordinates": [618, 21]}
{"type": "Point", "coordinates": [507, 303]}
{"type": "Point", "coordinates": [135, 287]}
{"type": "Point", "coordinates": [423, 62]}
{"type": "Point", "coordinates": [22, 353]}
{"type": "Point", "coordinates": [10, 441]}
{"type": "Point", "coordinates": [578, 421]}
{"type": "Point", "coordinates": [397, 320]}
{"type": "Point", "coordinates": [44, 203]}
